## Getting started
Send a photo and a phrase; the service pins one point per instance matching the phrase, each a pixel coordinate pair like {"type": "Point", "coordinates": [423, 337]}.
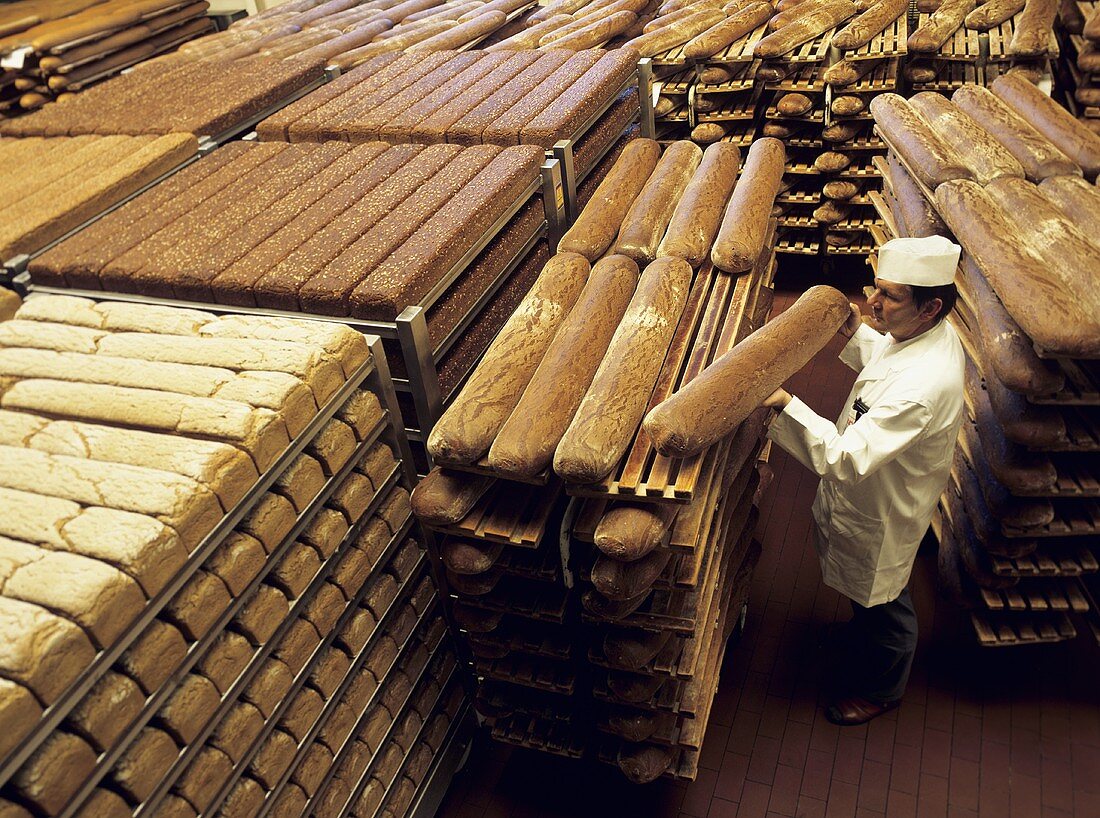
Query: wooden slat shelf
{"type": "Point", "coordinates": [800, 197]}
{"type": "Point", "coordinates": [1001, 629]}
{"type": "Point", "coordinates": [541, 734]}
{"type": "Point", "coordinates": [816, 116]}
{"type": "Point", "coordinates": [538, 673]}
{"type": "Point", "coordinates": [950, 75]}
{"type": "Point", "coordinates": [678, 83]}
{"type": "Point", "coordinates": [1040, 595]}
{"type": "Point", "coordinates": [891, 42]}
{"type": "Point", "coordinates": [964, 45]}
{"type": "Point", "coordinates": [509, 513]}
{"type": "Point", "coordinates": [744, 109]}
{"type": "Point", "coordinates": [806, 80]}
{"type": "Point", "coordinates": [739, 51]}
{"type": "Point", "coordinates": [1047, 563]}
{"type": "Point", "coordinates": [526, 599]}
{"type": "Point", "coordinates": [798, 246]}
{"type": "Point", "coordinates": [884, 77]}
{"type": "Point", "coordinates": [549, 641]}
{"type": "Point", "coordinates": [863, 247]}
{"type": "Point", "coordinates": [743, 79]}
{"type": "Point", "coordinates": [815, 51]}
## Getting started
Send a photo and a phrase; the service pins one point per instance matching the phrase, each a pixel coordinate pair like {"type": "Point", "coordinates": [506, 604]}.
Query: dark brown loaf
{"type": "Point", "coordinates": [1033, 29]}
{"type": "Point", "coordinates": [695, 221]}
{"type": "Point", "coordinates": [1078, 201]}
{"type": "Point", "coordinates": [831, 162]}
{"type": "Point", "coordinates": [633, 687]}
{"type": "Point", "coordinates": [870, 22]}
{"type": "Point", "coordinates": [745, 223]}
{"type": "Point", "coordinates": [726, 392]}
{"type": "Point", "coordinates": [445, 497]}
{"type": "Point", "coordinates": [600, 606]}
{"type": "Point", "coordinates": [831, 212]}
{"type": "Point", "coordinates": [931, 158]}
{"type": "Point", "coordinates": [726, 32]}
{"type": "Point", "coordinates": [620, 581]}
{"type": "Point", "coordinates": [1051, 120]}
{"type": "Point", "coordinates": [526, 443]}
{"type": "Point", "coordinates": [467, 428]}
{"type": "Point", "coordinates": [469, 557]}
{"type": "Point", "coordinates": [598, 224]}
{"type": "Point", "coordinates": [633, 648]}
{"type": "Point", "coordinates": [608, 415]}
{"type": "Point", "coordinates": [842, 191]}
{"type": "Point", "coordinates": [476, 620]}
{"type": "Point", "coordinates": [1015, 513]}
{"type": "Point", "coordinates": [473, 585]}
{"type": "Point", "coordinates": [642, 763]}
{"type": "Point", "coordinates": [842, 131]}
{"type": "Point", "coordinates": [804, 27]}
{"type": "Point", "coordinates": [647, 219]}
{"type": "Point", "coordinates": [1036, 427]}
{"type": "Point", "coordinates": [986, 526]}
{"type": "Point", "coordinates": [987, 158]}
{"type": "Point", "coordinates": [1048, 308]}
{"type": "Point", "coordinates": [917, 213]}
{"type": "Point", "coordinates": [1035, 153]}
{"type": "Point", "coordinates": [992, 13]}
{"type": "Point", "coordinates": [848, 72]}
{"type": "Point", "coordinates": [940, 27]}
{"type": "Point", "coordinates": [1005, 349]}
{"type": "Point", "coordinates": [632, 725]}
{"type": "Point", "coordinates": [1015, 468]}
{"type": "Point", "coordinates": [629, 532]}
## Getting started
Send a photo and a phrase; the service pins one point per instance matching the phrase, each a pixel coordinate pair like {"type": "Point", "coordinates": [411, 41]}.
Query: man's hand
{"type": "Point", "coordinates": [855, 318]}
{"type": "Point", "coordinates": [778, 400]}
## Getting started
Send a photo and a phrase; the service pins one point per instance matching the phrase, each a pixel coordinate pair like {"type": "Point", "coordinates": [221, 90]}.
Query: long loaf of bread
{"type": "Point", "coordinates": [675, 33]}
{"type": "Point", "coordinates": [596, 227]}
{"type": "Point", "coordinates": [728, 31]}
{"type": "Point", "coordinates": [630, 531]}
{"type": "Point", "coordinates": [931, 159]}
{"type": "Point", "coordinates": [940, 27]}
{"type": "Point", "coordinates": [647, 219]}
{"type": "Point", "coordinates": [1038, 156]}
{"type": "Point", "coordinates": [1033, 34]}
{"type": "Point", "coordinates": [992, 13]}
{"type": "Point", "coordinates": [745, 223]}
{"type": "Point", "coordinates": [698, 214]}
{"type": "Point", "coordinates": [466, 430]}
{"type": "Point", "coordinates": [1049, 309]}
{"type": "Point", "coordinates": [1051, 120]}
{"type": "Point", "coordinates": [445, 497]}
{"type": "Point", "coordinates": [804, 28]}
{"type": "Point", "coordinates": [726, 392]}
{"type": "Point", "coordinates": [1036, 427]}
{"type": "Point", "coordinates": [863, 29]}
{"type": "Point", "coordinates": [987, 158]}
{"type": "Point", "coordinates": [1078, 201]}
{"type": "Point", "coordinates": [609, 414]}
{"type": "Point", "coordinates": [526, 443]}
{"type": "Point", "coordinates": [596, 32]}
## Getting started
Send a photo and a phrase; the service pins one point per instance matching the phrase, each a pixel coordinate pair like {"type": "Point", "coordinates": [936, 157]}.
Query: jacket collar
{"type": "Point", "coordinates": [898, 354]}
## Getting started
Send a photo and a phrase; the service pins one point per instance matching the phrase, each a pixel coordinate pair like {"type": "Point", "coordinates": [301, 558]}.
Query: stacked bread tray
{"type": "Point", "coordinates": [445, 232]}
{"type": "Point", "coordinates": [1079, 67]}
{"type": "Point", "coordinates": [76, 181]}
{"type": "Point", "coordinates": [1021, 508]}
{"type": "Point", "coordinates": [559, 398]}
{"type": "Point", "coordinates": [574, 105]}
{"type": "Point", "coordinates": [86, 42]}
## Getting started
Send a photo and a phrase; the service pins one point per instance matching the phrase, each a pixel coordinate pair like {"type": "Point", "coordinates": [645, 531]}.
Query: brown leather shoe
{"type": "Point", "coordinates": [849, 711]}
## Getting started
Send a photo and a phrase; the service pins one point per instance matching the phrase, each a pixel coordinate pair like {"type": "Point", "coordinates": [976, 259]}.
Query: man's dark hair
{"type": "Point", "coordinates": [946, 293]}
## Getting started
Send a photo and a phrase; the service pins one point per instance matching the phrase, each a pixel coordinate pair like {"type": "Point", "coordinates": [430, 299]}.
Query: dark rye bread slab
{"type": "Point", "coordinates": [327, 293]}
{"type": "Point", "coordinates": [188, 264]}
{"type": "Point", "coordinates": [82, 256]}
{"type": "Point", "coordinates": [197, 273]}
{"type": "Point", "coordinates": [470, 114]}
{"type": "Point", "coordinates": [506, 129]}
{"type": "Point", "coordinates": [406, 276]}
{"type": "Point", "coordinates": [191, 208]}
{"type": "Point", "coordinates": [235, 284]}
{"type": "Point", "coordinates": [279, 287]}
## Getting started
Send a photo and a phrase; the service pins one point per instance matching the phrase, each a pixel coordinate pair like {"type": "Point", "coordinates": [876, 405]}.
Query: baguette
{"type": "Point", "coordinates": [454, 38]}
{"type": "Point", "coordinates": [445, 497]}
{"type": "Point", "coordinates": [1078, 201]}
{"type": "Point", "coordinates": [586, 19]}
{"type": "Point", "coordinates": [467, 428]}
{"type": "Point", "coordinates": [697, 216]}
{"type": "Point", "coordinates": [992, 13]}
{"type": "Point", "coordinates": [713, 404]}
{"type": "Point", "coordinates": [620, 581]}
{"type": "Point", "coordinates": [917, 213]}
{"type": "Point", "coordinates": [595, 33]}
{"type": "Point", "coordinates": [1036, 427]}
{"type": "Point", "coordinates": [1006, 350]}
{"type": "Point", "coordinates": [726, 32]}
{"type": "Point", "coordinates": [629, 532]}
{"type": "Point", "coordinates": [804, 27]}
{"type": "Point", "coordinates": [1051, 120]}
{"type": "Point", "coordinates": [608, 416]}
{"type": "Point", "coordinates": [1033, 32]}
{"type": "Point", "coordinates": [848, 72]}
{"type": "Point", "coordinates": [931, 158]}
{"type": "Point", "coordinates": [745, 223]}
{"type": "Point", "coordinates": [526, 443]}
{"type": "Point", "coordinates": [940, 27]}
{"type": "Point", "coordinates": [1018, 470]}
{"type": "Point", "coordinates": [987, 158]}
{"type": "Point", "coordinates": [869, 23]}
{"type": "Point", "coordinates": [1043, 298]}
{"type": "Point", "coordinates": [596, 227]}
{"type": "Point", "coordinates": [663, 39]}
{"type": "Point", "coordinates": [665, 19]}
{"type": "Point", "coordinates": [647, 219]}
{"type": "Point", "coordinates": [1035, 153]}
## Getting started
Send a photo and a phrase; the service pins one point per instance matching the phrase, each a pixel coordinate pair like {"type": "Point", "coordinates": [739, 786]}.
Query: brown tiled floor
{"type": "Point", "coordinates": [981, 732]}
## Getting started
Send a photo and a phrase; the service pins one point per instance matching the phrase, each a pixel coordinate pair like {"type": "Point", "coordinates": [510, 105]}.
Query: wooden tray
{"type": "Point", "coordinates": [546, 735]}
{"type": "Point", "coordinates": [539, 673]}
{"type": "Point", "coordinates": [1001, 629]}
{"type": "Point", "coordinates": [890, 42]}
{"type": "Point", "coordinates": [510, 513]}
{"type": "Point", "coordinates": [741, 50]}
{"type": "Point", "coordinates": [1040, 595]}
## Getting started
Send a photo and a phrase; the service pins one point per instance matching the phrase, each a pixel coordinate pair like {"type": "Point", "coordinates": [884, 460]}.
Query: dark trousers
{"type": "Point", "coordinates": [881, 641]}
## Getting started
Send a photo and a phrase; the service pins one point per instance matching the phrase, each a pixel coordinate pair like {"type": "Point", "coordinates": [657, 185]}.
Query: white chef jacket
{"type": "Point", "coordinates": [882, 473]}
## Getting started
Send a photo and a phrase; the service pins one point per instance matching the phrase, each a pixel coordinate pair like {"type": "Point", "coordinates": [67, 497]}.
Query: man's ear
{"type": "Point", "coordinates": [932, 309]}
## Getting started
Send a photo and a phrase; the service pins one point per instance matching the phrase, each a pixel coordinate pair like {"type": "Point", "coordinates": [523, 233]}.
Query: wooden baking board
{"type": "Point", "coordinates": [806, 80]}
{"type": "Point", "coordinates": [510, 513]}
{"type": "Point", "coordinates": [559, 738]}
{"type": "Point", "coordinates": [1003, 629]}
{"type": "Point", "coordinates": [1038, 595]}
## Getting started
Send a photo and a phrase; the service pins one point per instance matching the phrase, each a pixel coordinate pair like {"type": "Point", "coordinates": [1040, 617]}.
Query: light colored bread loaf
{"type": "Point", "coordinates": [712, 405]}
{"type": "Point", "coordinates": [992, 13]}
{"type": "Point", "coordinates": [19, 713]}
{"type": "Point", "coordinates": [301, 482]}
{"type": "Point", "coordinates": [325, 532]}
{"type": "Point", "coordinates": [270, 521]}
{"type": "Point", "coordinates": [871, 20]}
{"type": "Point", "coordinates": [745, 223]}
{"type": "Point", "coordinates": [244, 800]}
{"type": "Point", "coordinates": [647, 219]}
{"type": "Point", "coordinates": [41, 651]}
{"type": "Point", "coordinates": [154, 656]}
{"type": "Point", "coordinates": [333, 446]}
{"type": "Point", "coordinates": [803, 27]}
{"type": "Point", "coordinates": [726, 32]}
{"type": "Point", "coordinates": [271, 683]}
{"type": "Point", "coordinates": [362, 412]}
{"type": "Point", "coordinates": [526, 443]}
{"type": "Point", "coordinates": [101, 716]}
{"type": "Point", "coordinates": [467, 428]}
{"type": "Point", "coordinates": [608, 415]}
{"type": "Point", "coordinates": [144, 763]}
{"type": "Point", "coordinates": [302, 713]}
{"type": "Point", "coordinates": [198, 605]}
{"type": "Point", "coordinates": [58, 337]}
{"type": "Point", "coordinates": [54, 772]}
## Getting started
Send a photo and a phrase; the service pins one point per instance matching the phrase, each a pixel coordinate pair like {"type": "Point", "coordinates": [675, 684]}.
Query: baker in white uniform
{"type": "Point", "coordinates": [884, 463]}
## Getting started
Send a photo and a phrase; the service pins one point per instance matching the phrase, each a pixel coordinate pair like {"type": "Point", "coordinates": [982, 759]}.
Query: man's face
{"type": "Point", "coordinates": [894, 310]}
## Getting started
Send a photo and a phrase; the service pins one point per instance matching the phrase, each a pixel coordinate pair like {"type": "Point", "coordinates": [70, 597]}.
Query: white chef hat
{"type": "Point", "coordinates": [924, 262]}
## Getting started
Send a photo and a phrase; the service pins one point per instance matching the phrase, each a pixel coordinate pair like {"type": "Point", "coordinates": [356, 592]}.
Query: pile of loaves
{"type": "Point", "coordinates": [1081, 46]}
{"type": "Point", "coordinates": [58, 48]}
{"type": "Point", "coordinates": [245, 649]}
{"type": "Point", "coordinates": [1011, 175]}
{"type": "Point", "coordinates": [55, 185]}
